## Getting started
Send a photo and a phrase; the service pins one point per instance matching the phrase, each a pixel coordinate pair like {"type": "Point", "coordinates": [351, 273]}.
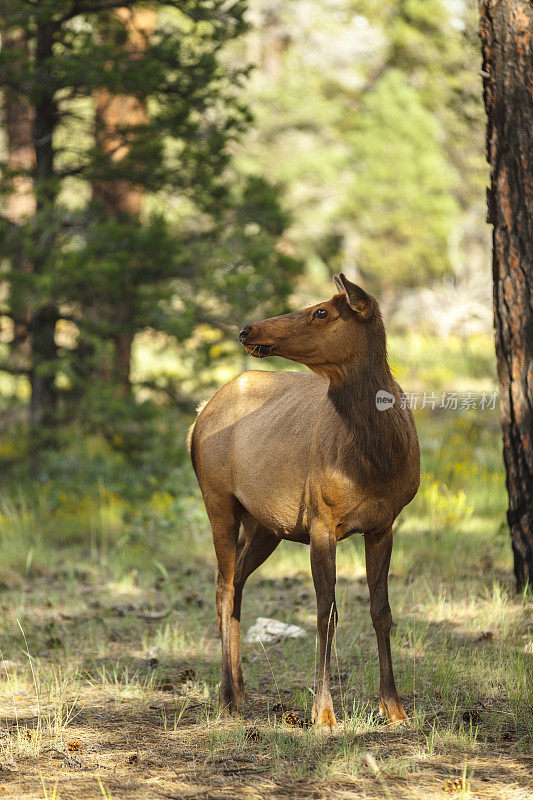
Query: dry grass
{"type": "Point", "coordinates": [111, 691]}
{"type": "Point", "coordinates": [122, 702]}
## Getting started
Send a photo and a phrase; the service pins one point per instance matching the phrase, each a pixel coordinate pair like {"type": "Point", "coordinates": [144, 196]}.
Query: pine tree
{"type": "Point", "coordinates": [401, 196]}
{"type": "Point", "coordinates": [370, 117]}
{"type": "Point", "coordinates": [507, 39]}
{"type": "Point", "coordinates": [20, 201]}
{"type": "Point", "coordinates": [120, 197]}
{"type": "Point", "coordinates": [103, 265]}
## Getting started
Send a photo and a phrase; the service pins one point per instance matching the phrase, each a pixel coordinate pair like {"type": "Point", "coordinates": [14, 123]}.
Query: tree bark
{"type": "Point", "coordinates": [19, 117]}
{"type": "Point", "coordinates": [506, 28]}
{"type": "Point", "coordinates": [43, 403]}
{"type": "Point", "coordinates": [121, 197]}
{"type": "Point", "coordinates": [19, 125]}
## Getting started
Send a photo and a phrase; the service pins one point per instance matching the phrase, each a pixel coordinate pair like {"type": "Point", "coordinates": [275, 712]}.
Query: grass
{"type": "Point", "coordinates": [108, 685]}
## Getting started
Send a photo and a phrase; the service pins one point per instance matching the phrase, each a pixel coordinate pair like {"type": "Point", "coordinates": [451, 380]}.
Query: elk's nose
{"type": "Point", "coordinates": [244, 333]}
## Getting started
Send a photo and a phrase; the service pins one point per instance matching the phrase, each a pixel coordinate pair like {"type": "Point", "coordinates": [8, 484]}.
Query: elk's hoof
{"type": "Point", "coordinates": [324, 719]}
{"type": "Point", "coordinates": [393, 711]}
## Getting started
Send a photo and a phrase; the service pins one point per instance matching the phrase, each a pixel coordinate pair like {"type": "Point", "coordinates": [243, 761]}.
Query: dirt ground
{"type": "Point", "coordinates": [109, 690]}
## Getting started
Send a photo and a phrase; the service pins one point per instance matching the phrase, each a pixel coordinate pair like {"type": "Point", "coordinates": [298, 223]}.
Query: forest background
{"type": "Point", "coordinates": [170, 172]}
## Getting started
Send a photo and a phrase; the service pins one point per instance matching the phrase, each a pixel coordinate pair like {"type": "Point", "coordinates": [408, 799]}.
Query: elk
{"type": "Point", "coordinates": [311, 457]}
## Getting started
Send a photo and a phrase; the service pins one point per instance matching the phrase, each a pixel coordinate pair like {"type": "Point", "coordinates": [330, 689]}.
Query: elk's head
{"type": "Point", "coordinates": [327, 337]}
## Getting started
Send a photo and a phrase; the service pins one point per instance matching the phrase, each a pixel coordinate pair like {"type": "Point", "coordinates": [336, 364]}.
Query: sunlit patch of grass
{"type": "Point", "coordinates": [171, 719]}
{"type": "Point", "coordinates": [42, 708]}
{"type": "Point", "coordinates": [294, 753]}
{"type": "Point", "coordinates": [435, 364]}
{"type": "Point", "coordinates": [60, 695]}
{"type": "Point", "coordinates": [126, 584]}
{"type": "Point", "coordinates": [123, 682]}
{"type": "Point", "coordinates": [351, 559]}
{"type": "Point", "coordinates": [455, 737]}
{"type": "Point", "coordinates": [175, 639]}
{"type": "Point", "coordinates": [21, 535]}
{"type": "Point", "coordinates": [439, 506]}
{"type": "Point", "coordinates": [222, 737]}
{"type": "Point", "coordinates": [349, 762]}
{"type": "Point", "coordinates": [50, 794]}
{"type": "Point", "coordinates": [361, 718]}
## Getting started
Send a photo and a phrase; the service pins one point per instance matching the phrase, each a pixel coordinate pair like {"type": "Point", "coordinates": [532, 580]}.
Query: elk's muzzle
{"type": "Point", "coordinates": [244, 333]}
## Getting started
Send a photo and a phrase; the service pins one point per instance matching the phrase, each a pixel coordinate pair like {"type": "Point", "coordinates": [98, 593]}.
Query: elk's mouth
{"type": "Point", "coordinates": [258, 350]}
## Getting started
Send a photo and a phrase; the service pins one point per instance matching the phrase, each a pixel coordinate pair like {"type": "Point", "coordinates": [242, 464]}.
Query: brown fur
{"type": "Point", "coordinates": [308, 457]}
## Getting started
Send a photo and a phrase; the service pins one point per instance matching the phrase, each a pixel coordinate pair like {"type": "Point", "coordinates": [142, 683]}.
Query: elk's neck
{"type": "Point", "coordinates": [377, 433]}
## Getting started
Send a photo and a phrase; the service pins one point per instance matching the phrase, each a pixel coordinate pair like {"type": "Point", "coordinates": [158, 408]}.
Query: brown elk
{"type": "Point", "coordinates": [309, 457]}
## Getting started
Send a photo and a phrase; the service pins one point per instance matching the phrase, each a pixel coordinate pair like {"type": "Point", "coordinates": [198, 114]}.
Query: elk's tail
{"type": "Point", "coordinates": [190, 433]}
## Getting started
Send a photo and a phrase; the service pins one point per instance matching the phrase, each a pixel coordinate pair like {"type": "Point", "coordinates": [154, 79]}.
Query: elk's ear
{"type": "Point", "coordinates": [358, 300]}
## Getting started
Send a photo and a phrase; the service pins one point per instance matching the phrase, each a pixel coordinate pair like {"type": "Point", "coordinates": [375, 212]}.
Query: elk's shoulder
{"type": "Point", "coordinates": [259, 381]}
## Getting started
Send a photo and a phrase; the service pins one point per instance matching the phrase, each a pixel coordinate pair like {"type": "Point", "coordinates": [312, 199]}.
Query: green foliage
{"type": "Point", "coordinates": [370, 116]}
{"type": "Point", "coordinates": [401, 196]}
{"type": "Point", "coordinates": [206, 238]}
{"type": "Point", "coordinates": [367, 123]}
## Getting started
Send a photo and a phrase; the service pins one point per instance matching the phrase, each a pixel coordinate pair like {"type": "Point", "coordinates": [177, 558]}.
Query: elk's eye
{"type": "Point", "coordinates": [321, 313]}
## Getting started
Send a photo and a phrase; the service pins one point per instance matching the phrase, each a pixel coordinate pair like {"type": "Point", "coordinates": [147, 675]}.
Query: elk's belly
{"type": "Point", "coordinates": [281, 490]}
{"type": "Point", "coordinates": [292, 521]}
{"type": "Point", "coordinates": [275, 505]}
{"type": "Point", "coordinates": [287, 498]}
{"type": "Point", "coordinates": [369, 517]}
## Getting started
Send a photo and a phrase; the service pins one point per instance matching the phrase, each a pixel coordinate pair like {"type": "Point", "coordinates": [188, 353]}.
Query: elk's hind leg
{"type": "Point", "coordinates": [378, 548]}
{"type": "Point", "coordinates": [225, 516]}
{"type": "Point", "coordinates": [256, 543]}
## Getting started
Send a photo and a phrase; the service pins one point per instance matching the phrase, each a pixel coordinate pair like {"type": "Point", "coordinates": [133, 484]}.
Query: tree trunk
{"type": "Point", "coordinates": [43, 404]}
{"type": "Point", "coordinates": [273, 44]}
{"type": "Point", "coordinates": [121, 197]}
{"type": "Point", "coordinates": [19, 116]}
{"type": "Point", "coordinates": [507, 42]}
{"type": "Point", "coordinates": [30, 150]}
{"type": "Point", "coordinates": [19, 125]}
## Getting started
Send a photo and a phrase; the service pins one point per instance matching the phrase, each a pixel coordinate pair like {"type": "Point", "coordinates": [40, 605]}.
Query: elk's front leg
{"type": "Point", "coordinates": [323, 567]}
{"type": "Point", "coordinates": [378, 548]}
